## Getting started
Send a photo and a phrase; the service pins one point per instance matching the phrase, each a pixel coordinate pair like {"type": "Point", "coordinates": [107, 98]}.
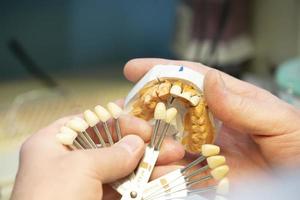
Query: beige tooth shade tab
{"type": "Point", "coordinates": [77, 124]}
{"type": "Point", "coordinates": [115, 110]}
{"type": "Point", "coordinates": [65, 138]}
{"type": "Point", "coordinates": [170, 114]}
{"type": "Point", "coordinates": [215, 161]}
{"type": "Point", "coordinates": [220, 172]}
{"type": "Point", "coordinates": [102, 113]}
{"type": "Point", "coordinates": [160, 111]}
{"type": "Point", "coordinates": [223, 186]}
{"type": "Point", "coordinates": [210, 150]}
{"type": "Point", "coordinates": [65, 129]}
{"type": "Point", "coordinates": [175, 90]}
{"type": "Point", "coordinates": [91, 118]}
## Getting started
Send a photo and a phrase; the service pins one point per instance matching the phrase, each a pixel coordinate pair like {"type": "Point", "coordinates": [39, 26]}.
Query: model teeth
{"type": "Point", "coordinates": [102, 113]}
{"type": "Point", "coordinates": [220, 172]}
{"type": "Point", "coordinates": [210, 150]}
{"type": "Point", "coordinates": [115, 110]}
{"type": "Point", "coordinates": [77, 124]}
{"type": "Point", "coordinates": [170, 114]}
{"type": "Point", "coordinates": [223, 187]}
{"type": "Point", "coordinates": [91, 118]}
{"type": "Point", "coordinates": [195, 100]}
{"type": "Point", "coordinates": [175, 90]}
{"type": "Point", "coordinates": [215, 161]}
{"type": "Point", "coordinates": [164, 90]}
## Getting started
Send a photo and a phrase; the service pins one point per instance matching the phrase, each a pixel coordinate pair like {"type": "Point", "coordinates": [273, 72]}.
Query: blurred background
{"type": "Point", "coordinates": [60, 57]}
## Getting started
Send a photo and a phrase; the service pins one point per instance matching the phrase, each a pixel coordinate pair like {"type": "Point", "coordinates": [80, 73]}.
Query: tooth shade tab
{"type": "Point", "coordinates": [220, 172]}
{"type": "Point", "coordinates": [195, 100]}
{"type": "Point", "coordinates": [77, 124]}
{"type": "Point", "coordinates": [215, 161]}
{"type": "Point", "coordinates": [223, 186]}
{"type": "Point", "coordinates": [160, 111]}
{"type": "Point", "coordinates": [115, 110]}
{"type": "Point", "coordinates": [175, 90]}
{"type": "Point", "coordinates": [170, 114]}
{"type": "Point", "coordinates": [65, 129]}
{"type": "Point", "coordinates": [210, 150]}
{"type": "Point", "coordinates": [102, 113]}
{"type": "Point", "coordinates": [91, 118]}
{"type": "Point", "coordinates": [65, 138]}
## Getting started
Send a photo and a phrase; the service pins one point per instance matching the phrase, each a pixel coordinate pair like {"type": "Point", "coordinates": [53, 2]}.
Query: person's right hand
{"type": "Point", "coordinates": [259, 131]}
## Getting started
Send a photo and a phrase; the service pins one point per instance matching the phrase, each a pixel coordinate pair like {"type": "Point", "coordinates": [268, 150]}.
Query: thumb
{"type": "Point", "coordinates": [117, 161]}
{"type": "Point", "coordinates": [244, 113]}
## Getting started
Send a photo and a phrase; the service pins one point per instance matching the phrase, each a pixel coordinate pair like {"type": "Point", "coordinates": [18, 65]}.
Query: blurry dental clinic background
{"type": "Point", "coordinates": [60, 57]}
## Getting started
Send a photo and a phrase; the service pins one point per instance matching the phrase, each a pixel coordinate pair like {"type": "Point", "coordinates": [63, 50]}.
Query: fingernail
{"type": "Point", "coordinates": [131, 143]}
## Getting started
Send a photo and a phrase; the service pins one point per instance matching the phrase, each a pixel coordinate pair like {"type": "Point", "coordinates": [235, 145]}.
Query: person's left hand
{"type": "Point", "coordinates": [48, 170]}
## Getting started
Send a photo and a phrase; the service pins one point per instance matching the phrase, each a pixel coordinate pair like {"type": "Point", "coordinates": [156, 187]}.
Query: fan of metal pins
{"type": "Point", "coordinates": [74, 134]}
{"type": "Point", "coordinates": [178, 183]}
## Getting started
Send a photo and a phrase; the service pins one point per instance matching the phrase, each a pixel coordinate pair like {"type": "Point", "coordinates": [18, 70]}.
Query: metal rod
{"type": "Point", "coordinates": [77, 145]}
{"type": "Point", "coordinates": [82, 136]}
{"type": "Point", "coordinates": [155, 130]}
{"type": "Point", "coordinates": [88, 137]}
{"type": "Point", "coordinates": [108, 133]}
{"type": "Point", "coordinates": [162, 136]}
{"type": "Point", "coordinates": [196, 172]}
{"type": "Point", "coordinates": [82, 143]}
{"type": "Point", "coordinates": [192, 164]}
{"type": "Point", "coordinates": [101, 140]}
{"type": "Point", "coordinates": [118, 129]}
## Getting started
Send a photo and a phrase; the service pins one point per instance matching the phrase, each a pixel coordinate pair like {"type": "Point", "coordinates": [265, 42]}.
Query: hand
{"type": "Point", "coordinates": [49, 170]}
{"type": "Point", "coordinates": [259, 130]}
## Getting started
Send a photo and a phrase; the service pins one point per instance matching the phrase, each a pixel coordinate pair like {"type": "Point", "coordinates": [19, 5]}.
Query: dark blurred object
{"type": "Point", "coordinates": [214, 32]}
{"type": "Point", "coordinates": [28, 63]}
{"type": "Point", "coordinates": [288, 81]}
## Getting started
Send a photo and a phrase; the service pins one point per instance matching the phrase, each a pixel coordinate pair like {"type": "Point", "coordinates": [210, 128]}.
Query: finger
{"type": "Point", "coordinates": [115, 162]}
{"type": "Point", "coordinates": [251, 114]}
{"type": "Point", "coordinates": [159, 171]}
{"type": "Point", "coordinates": [136, 68]}
{"type": "Point", "coordinates": [128, 125]}
{"type": "Point", "coordinates": [171, 151]}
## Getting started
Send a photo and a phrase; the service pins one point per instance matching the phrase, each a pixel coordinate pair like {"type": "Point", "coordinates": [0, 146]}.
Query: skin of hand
{"type": "Point", "coordinates": [259, 133]}
{"type": "Point", "coordinates": [49, 170]}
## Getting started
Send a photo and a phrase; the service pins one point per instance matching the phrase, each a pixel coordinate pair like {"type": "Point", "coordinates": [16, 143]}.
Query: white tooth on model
{"type": "Point", "coordinates": [223, 186]}
{"type": "Point", "coordinates": [116, 111]}
{"type": "Point", "coordinates": [220, 172]}
{"type": "Point", "coordinates": [104, 116]}
{"type": "Point", "coordinates": [159, 115]}
{"type": "Point", "coordinates": [210, 150]}
{"type": "Point", "coordinates": [79, 125]}
{"type": "Point", "coordinates": [175, 90]}
{"type": "Point", "coordinates": [195, 100]}
{"type": "Point", "coordinates": [170, 115]}
{"type": "Point", "coordinates": [92, 119]}
{"type": "Point", "coordinates": [215, 161]}
{"type": "Point", "coordinates": [186, 95]}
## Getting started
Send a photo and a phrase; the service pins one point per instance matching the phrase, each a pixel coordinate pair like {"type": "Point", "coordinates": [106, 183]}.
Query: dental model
{"type": "Point", "coordinates": [181, 88]}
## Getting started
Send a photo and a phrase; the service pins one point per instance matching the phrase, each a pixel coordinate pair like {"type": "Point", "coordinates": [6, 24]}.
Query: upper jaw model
{"type": "Point", "coordinates": [179, 87]}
